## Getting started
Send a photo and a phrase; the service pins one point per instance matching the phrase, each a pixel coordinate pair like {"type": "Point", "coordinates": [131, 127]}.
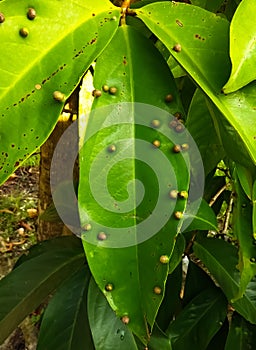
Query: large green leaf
{"type": "Point", "coordinates": [62, 41]}
{"type": "Point", "coordinates": [199, 321]}
{"type": "Point", "coordinates": [108, 331]}
{"type": "Point", "coordinates": [30, 283]}
{"type": "Point", "coordinates": [242, 46]}
{"type": "Point", "coordinates": [65, 322]}
{"type": "Point", "coordinates": [137, 233]}
{"type": "Point", "coordinates": [243, 230]}
{"type": "Point", "coordinates": [201, 127]}
{"type": "Point", "coordinates": [221, 259]}
{"type": "Point", "coordinates": [203, 38]}
{"type": "Point", "coordinates": [242, 334]}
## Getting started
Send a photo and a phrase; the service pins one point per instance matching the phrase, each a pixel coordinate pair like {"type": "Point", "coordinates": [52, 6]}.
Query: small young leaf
{"type": "Point", "coordinates": [242, 47]}
{"type": "Point", "coordinates": [201, 127]}
{"type": "Point", "coordinates": [204, 219]}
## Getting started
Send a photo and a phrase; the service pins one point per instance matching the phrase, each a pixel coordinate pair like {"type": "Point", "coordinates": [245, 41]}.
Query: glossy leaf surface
{"type": "Point", "coordinates": [108, 331]}
{"type": "Point", "coordinates": [129, 254]}
{"type": "Point", "coordinates": [62, 41]}
{"type": "Point", "coordinates": [243, 230]}
{"type": "Point", "coordinates": [200, 32]}
{"type": "Point", "coordinates": [203, 219]}
{"type": "Point", "coordinates": [201, 127]}
{"type": "Point", "coordinates": [221, 259]}
{"type": "Point", "coordinates": [242, 334]}
{"type": "Point", "coordinates": [37, 276]}
{"type": "Point", "coordinates": [242, 47]}
{"type": "Point", "coordinates": [210, 5]}
{"type": "Point", "coordinates": [70, 331]}
{"type": "Point", "coordinates": [206, 311]}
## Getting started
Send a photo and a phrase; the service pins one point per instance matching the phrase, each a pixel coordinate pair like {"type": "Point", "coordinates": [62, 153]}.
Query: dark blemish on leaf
{"type": "Point", "coordinates": [24, 32]}
{"type": "Point", "coordinates": [168, 98]}
{"type": "Point", "coordinates": [96, 93]}
{"type": "Point", "coordinates": [156, 143]}
{"type": "Point", "coordinates": [177, 48]}
{"type": "Point", "coordinates": [109, 287]}
{"type": "Point", "coordinates": [112, 90]}
{"type": "Point", "coordinates": [176, 149]}
{"type": "Point", "coordinates": [178, 215]}
{"type": "Point", "coordinates": [37, 137]}
{"type": "Point", "coordinates": [31, 14]}
{"type": "Point", "coordinates": [197, 36]}
{"type": "Point", "coordinates": [93, 14]}
{"type": "Point", "coordinates": [2, 18]}
{"type": "Point", "coordinates": [93, 41]}
{"type": "Point", "coordinates": [178, 115]}
{"type": "Point", "coordinates": [58, 96]}
{"type": "Point", "coordinates": [185, 147]}
{"type": "Point", "coordinates": [155, 123]}
{"type": "Point", "coordinates": [15, 104]}
{"type": "Point", "coordinates": [101, 236]}
{"type": "Point", "coordinates": [24, 135]}
{"type": "Point", "coordinates": [180, 24]}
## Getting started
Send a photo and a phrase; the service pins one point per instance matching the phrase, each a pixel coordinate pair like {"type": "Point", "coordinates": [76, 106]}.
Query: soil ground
{"type": "Point", "coordinates": [18, 226]}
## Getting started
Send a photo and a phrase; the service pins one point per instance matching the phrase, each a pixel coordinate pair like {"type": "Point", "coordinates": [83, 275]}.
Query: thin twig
{"type": "Point", "coordinates": [214, 198]}
{"type": "Point", "coordinates": [227, 215]}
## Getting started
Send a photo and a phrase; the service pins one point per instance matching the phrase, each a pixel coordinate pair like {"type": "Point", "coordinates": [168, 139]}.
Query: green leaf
{"type": "Point", "coordinates": [108, 331]}
{"type": "Point", "coordinates": [219, 340]}
{"type": "Point", "coordinates": [201, 127]}
{"type": "Point", "coordinates": [242, 223]}
{"type": "Point", "coordinates": [196, 281]}
{"type": "Point", "coordinates": [245, 177]}
{"type": "Point", "coordinates": [177, 253]}
{"type": "Point", "coordinates": [254, 210]}
{"type": "Point", "coordinates": [137, 233]}
{"type": "Point", "coordinates": [159, 340]}
{"type": "Point", "coordinates": [171, 304]}
{"type": "Point", "coordinates": [199, 31]}
{"type": "Point", "coordinates": [242, 47]}
{"type": "Point", "coordinates": [63, 40]}
{"type": "Point", "coordinates": [210, 5]}
{"type": "Point", "coordinates": [29, 284]}
{"type": "Point", "coordinates": [65, 322]}
{"type": "Point", "coordinates": [221, 259]}
{"type": "Point", "coordinates": [195, 326]}
{"type": "Point", "coordinates": [204, 219]}
{"type": "Point", "coordinates": [242, 334]}
{"type": "Point", "coordinates": [231, 140]}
